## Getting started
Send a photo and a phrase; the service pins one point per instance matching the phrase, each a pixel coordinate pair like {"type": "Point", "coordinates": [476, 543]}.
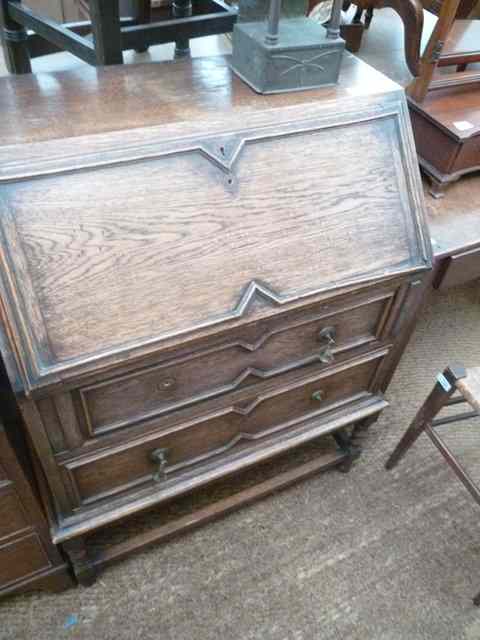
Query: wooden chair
{"type": "Point", "coordinates": [445, 48]}
{"type": "Point", "coordinates": [411, 14]}
{"type": "Point", "coordinates": [454, 386]}
{"type": "Point", "coordinates": [25, 34]}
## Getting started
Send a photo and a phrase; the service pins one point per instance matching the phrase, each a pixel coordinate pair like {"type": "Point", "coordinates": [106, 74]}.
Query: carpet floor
{"type": "Point", "coordinates": [367, 555]}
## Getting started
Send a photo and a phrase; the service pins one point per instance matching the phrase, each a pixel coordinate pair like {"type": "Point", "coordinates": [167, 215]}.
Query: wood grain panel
{"type": "Point", "coordinates": [146, 260]}
{"type": "Point", "coordinates": [209, 437]}
{"type": "Point", "coordinates": [88, 100]}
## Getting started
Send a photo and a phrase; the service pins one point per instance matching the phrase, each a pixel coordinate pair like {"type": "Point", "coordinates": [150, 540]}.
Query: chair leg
{"type": "Point", "coordinates": [143, 15]}
{"type": "Point", "coordinates": [441, 392]}
{"type": "Point", "coordinates": [14, 41]}
{"type": "Point", "coordinates": [182, 9]}
{"type": "Point", "coordinates": [368, 17]}
{"type": "Point", "coordinates": [105, 16]}
{"type": "Point", "coordinates": [357, 18]}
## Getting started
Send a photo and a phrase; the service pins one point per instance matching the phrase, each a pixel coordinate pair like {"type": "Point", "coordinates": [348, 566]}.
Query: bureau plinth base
{"type": "Point", "coordinates": [87, 563]}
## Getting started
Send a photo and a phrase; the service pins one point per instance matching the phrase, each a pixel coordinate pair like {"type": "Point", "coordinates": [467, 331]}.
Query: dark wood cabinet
{"type": "Point", "coordinates": [28, 559]}
{"type": "Point", "coordinates": [218, 283]}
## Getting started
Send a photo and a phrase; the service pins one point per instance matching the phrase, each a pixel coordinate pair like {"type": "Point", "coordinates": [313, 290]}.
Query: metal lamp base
{"type": "Point", "coordinates": [303, 58]}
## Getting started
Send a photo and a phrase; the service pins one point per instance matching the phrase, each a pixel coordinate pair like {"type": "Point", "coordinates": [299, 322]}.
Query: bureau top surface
{"type": "Point", "coordinates": [90, 100]}
{"type": "Point", "coordinates": [121, 244]}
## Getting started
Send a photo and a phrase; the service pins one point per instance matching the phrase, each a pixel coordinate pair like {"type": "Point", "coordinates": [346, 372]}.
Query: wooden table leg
{"type": "Point", "coordinates": [105, 17]}
{"type": "Point", "coordinates": [14, 42]}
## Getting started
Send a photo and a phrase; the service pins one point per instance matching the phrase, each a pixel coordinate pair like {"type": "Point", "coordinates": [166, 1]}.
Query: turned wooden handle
{"type": "Point", "coordinates": [159, 457]}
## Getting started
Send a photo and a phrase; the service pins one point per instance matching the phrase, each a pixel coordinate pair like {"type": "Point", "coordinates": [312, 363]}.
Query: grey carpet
{"type": "Point", "coordinates": [369, 555]}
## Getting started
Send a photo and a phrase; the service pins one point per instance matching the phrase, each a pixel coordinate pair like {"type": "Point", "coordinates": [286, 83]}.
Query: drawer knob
{"type": "Point", "coordinates": [327, 335]}
{"type": "Point", "coordinates": [159, 457]}
{"type": "Point", "coordinates": [318, 396]}
{"type": "Point", "coordinates": [166, 383]}
{"type": "Point", "coordinates": [326, 355]}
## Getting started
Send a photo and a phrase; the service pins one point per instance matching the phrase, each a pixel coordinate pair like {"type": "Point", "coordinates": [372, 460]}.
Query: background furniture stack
{"type": "Point", "coordinates": [445, 107]}
{"type": "Point", "coordinates": [27, 34]}
{"type": "Point", "coordinates": [28, 559]}
{"type": "Point", "coordinates": [194, 301]}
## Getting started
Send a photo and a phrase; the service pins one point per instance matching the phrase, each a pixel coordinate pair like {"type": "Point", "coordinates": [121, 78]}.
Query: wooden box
{"type": "Point", "coordinates": [446, 127]}
{"type": "Point", "coordinates": [193, 288]}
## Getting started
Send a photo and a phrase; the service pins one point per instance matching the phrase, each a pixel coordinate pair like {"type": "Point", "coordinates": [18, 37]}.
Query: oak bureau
{"type": "Point", "coordinates": [195, 278]}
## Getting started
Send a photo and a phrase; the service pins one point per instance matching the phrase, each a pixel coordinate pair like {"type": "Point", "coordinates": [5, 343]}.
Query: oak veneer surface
{"type": "Point", "coordinates": [92, 100]}
{"type": "Point", "coordinates": [190, 231]}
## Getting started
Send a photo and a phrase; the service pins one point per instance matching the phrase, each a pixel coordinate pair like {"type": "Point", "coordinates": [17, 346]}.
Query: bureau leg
{"type": "Point", "coordinates": [364, 425]}
{"type": "Point", "coordinates": [83, 566]}
{"type": "Point", "coordinates": [344, 443]}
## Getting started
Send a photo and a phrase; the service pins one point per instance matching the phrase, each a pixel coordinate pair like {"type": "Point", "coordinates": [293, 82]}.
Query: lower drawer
{"type": "Point", "coordinates": [12, 515]}
{"type": "Point", "coordinates": [165, 453]}
{"type": "Point", "coordinates": [459, 269]}
{"type": "Point", "coordinates": [21, 558]}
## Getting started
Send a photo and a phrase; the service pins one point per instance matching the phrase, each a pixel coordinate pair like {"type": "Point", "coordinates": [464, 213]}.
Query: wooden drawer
{"type": "Point", "coordinates": [458, 269]}
{"type": "Point", "coordinates": [244, 357]}
{"type": "Point", "coordinates": [209, 438]}
{"type": "Point", "coordinates": [12, 515]}
{"type": "Point", "coordinates": [21, 559]}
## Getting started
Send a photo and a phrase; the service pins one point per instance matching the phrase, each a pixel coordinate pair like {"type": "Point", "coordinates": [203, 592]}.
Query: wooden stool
{"type": "Point", "coordinates": [454, 379]}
